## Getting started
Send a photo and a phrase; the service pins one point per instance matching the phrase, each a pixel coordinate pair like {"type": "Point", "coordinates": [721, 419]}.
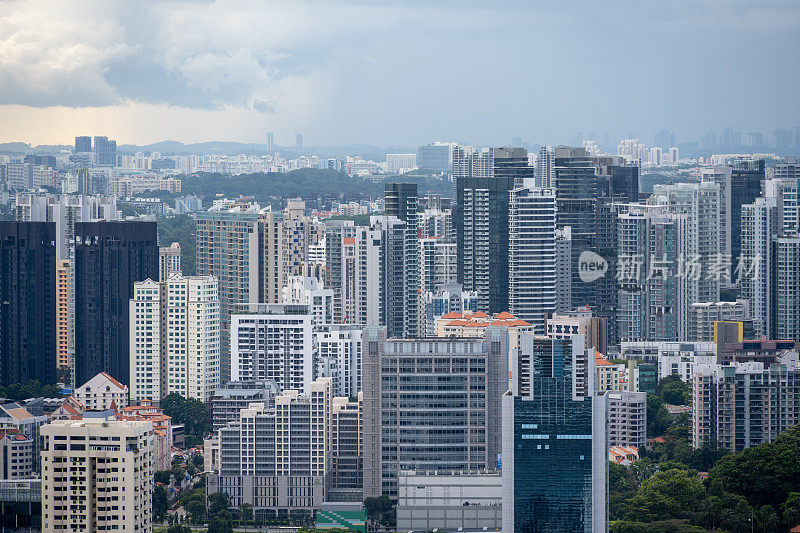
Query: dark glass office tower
{"type": "Point", "coordinates": [110, 257]}
{"type": "Point", "coordinates": [576, 184]}
{"type": "Point", "coordinates": [83, 144]}
{"type": "Point", "coordinates": [27, 302]}
{"type": "Point", "coordinates": [480, 217]}
{"type": "Point", "coordinates": [746, 178]}
{"type": "Point", "coordinates": [555, 454]}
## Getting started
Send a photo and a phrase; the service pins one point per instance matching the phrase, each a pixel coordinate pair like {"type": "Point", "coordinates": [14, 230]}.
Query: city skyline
{"type": "Point", "coordinates": [223, 70]}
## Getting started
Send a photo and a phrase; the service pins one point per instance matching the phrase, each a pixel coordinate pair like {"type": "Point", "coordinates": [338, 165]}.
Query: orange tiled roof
{"type": "Point", "coordinates": [480, 314]}
{"type": "Point", "coordinates": [114, 381]}
{"type": "Point", "coordinates": [452, 314]}
{"type": "Point", "coordinates": [505, 315]}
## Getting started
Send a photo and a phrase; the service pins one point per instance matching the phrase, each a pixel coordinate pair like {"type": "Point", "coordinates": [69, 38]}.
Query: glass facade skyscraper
{"type": "Point", "coordinates": [555, 436]}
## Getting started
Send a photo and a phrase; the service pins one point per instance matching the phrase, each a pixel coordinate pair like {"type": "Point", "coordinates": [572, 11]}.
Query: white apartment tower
{"type": "Point", "coordinates": [175, 344]}
{"type": "Point", "coordinates": [312, 293]}
{"type": "Point", "coordinates": [761, 223]}
{"type": "Point", "coordinates": [169, 261]}
{"type": "Point", "coordinates": [532, 255]}
{"type": "Point", "coordinates": [97, 475]}
{"type": "Point", "coordinates": [273, 341]}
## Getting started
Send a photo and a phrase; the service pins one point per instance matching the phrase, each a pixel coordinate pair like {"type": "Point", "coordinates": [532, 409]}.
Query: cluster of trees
{"type": "Point", "coordinates": [380, 511]}
{"type": "Point", "coordinates": [757, 489]}
{"type": "Point", "coordinates": [194, 414]}
{"type": "Point", "coordinates": [29, 389]}
{"type": "Point", "coordinates": [671, 390]}
{"type": "Point", "coordinates": [180, 229]}
{"type": "Point", "coordinates": [303, 183]}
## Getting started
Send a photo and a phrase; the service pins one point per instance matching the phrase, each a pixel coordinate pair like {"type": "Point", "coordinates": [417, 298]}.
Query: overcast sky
{"type": "Point", "coordinates": [395, 73]}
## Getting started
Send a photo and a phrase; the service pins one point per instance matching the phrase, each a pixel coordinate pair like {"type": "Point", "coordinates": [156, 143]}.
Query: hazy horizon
{"type": "Point", "coordinates": [395, 73]}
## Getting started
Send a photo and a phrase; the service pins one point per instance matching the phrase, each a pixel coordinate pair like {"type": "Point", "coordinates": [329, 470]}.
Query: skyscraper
{"type": "Point", "coordinates": [483, 182]}
{"type": "Point", "coordinates": [746, 178]}
{"type": "Point", "coordinates": [28, 293]}
{"type": "Point", "coordinates": [298, 140]}
{"type": "Point", "coordinates": [401, 202]}
{"type": "Point", "coordinates": [105, 152]}
{"type": "Point", "coordinates": [270, 141]}
{"type": "Point", "coordinates": [174, 346]}
{"type": "Point", "coordinates": [787, 287]}
{"type": "Point", "coordinates": [555, 440]}
{"type": "Point", "coordinates": [532, 255]}
{"type": "Point", "coordinates": [576, 187]}
{"type": "Point", "coordinates": [406, 410]}
{"type": "Point", "coordinates": [760, 225]}
{"type": "Point", "coordinates": [83, 144]}
{"type": "Point", "coordinates": [109, 258]}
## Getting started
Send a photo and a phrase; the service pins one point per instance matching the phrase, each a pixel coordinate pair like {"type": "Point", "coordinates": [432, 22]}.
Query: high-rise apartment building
{"type": "Point", "coordinates": [28, 292]}
{"type": "Point", "coordinates": [545, 164]}
{"type": "Point", "coordinates": [701, 241]}
{"type": "Point", "coordinates": [739, 405]}
{"type": "Point", "coordinates": [338, 352]}
{"type": "Point", "coordinates": [787, 287]}
{"type": "Point", "coordinates": [563, 269]}
{"type": "Point", "coordinates": [401, 203]}
{"type": "Point", "coordinates": [532, 255]}
{"type": "Point", "coordinates": [312, 293]}
{"type": "Point", "coordinates": [105, 152]}
{"type": "Point", "coordinates": [438, 263]}
{"type": "Point", "coordinates": [555, 440]}
{"type": "Point", "coordinates": [83, 144]}
{"type": "Point", "coordinates": [353, 263]}
{"type": "Point", "coordinates": [273, 342]}
{"type": "Point", "coordinates": [627, 418]}
{"type": "Point", "coordinates": [581, 321]}
{"type": "Point", "coordinates": [760, 225]}
{"type": "Point", "coordinates": [63, 313]}
{"type": "Point", "coordinates": [97, 474]}
{"type": "Point", "coordinates": [405, 410]}
{"type": "Point", "coordinates": [174, 345]}
{"type": "Point", "coordinates": [746, 178]}
{"type": "Point", "coordinates": [721, 175]}
{"type": "Point", "coordinates": [346, 443]}
{"type": "Point", "coordinates": [436, 157]}
{"type": "Point", "coordinates": [230, 399]}
{"type": "Point", "coordinates": [110, 257]}
{"type": "Point", "coordinates": [788, 173]}
{"type": "Point", "coordinates": [287, 467]}
{"type": "Point", "coordinates": [169, 261]}
{"type": "Point", "coordinates": [704, 316]}
{"type": "Point", "coordinates": [483, 183]}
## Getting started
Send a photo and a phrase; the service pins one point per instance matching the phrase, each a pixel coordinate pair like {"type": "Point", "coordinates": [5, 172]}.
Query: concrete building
{"type": "Point", "coordinates": [347, 469]}
{"type": "Point", "coordinates": [627, 418]}
{"type": "Point", "coordinates": [102, 393]}
{"type": "Point", "coordinates": [163, 439]}
{"type": "Point", "coordinates": [175, 341]}
{"type": "Point", "coordinates": [405, 411]}
{"type": "Point", "coordinates": [563, 269]}
{"type": "Point", "coordinates": [448, 299]}
{"type": "Point", "coordinates": [669, 358]}
{"type": "Point", "coordinates": [449, 501]}
{"type": "Point", "coordinates": [580, 321]}
{"type": "Point", "coordinates": [760, 225]}
{"type": "Point", "coordinates": [169, 261]}
{"type": "Point", "coordinates": [532, 255]}
{"type": "Point", "coordinates": [787, 287]}
{"type": "Point", "coordinates": [338, 354]}
{"type": "Point", "coordinates": [273, 342]}
{"type": "Point", "coordinates": [97, 473]}
{"type": "Point", "coordinates": [312, 293]}
{"type": "Point", "coordinates": [484, 180]}
{"type": "Point", "coordinates": [436, 156]}
{"type": "Point", "coordinates": [128, 187]}
{"type": "Point", "coordinates": [739, 405]}
{"type": "Point", "coordinates": [555, 440]}
{"type": "Point", "coordinates": [16, 451]}
{"type": "Point", "coordinates": [285, 471]}
{"type": "Point", "coordinates": [706, 314]}
{"type": "Point", "coordinates": [63, 313]}
{"type": "Point", "coordinates": [438, 264]}
{"type": "Point", "coordinates": [230, 399]}
{"type": "Point", "coordinates": [353, 256]}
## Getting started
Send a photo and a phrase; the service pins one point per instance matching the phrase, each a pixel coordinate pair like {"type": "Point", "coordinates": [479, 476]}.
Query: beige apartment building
{"type": "Point", "coordinates": [97, 476]}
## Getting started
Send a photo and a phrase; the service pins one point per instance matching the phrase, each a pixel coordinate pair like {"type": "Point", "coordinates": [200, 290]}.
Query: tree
{"type": "Point", "coordinates": [658, 419]}
{"type": "Point", "coordinates": [217, 503]}
{"type": "Point", "coordinates": [196, 510]}
{"type": "Point", "coordinates": [670, 494]}
{"type": "Point", "coordinates": [162, 476]}
{"type": "Point", "coordinates": [674, 391]}
{"type": "Point", "coordinates": [160, 503]}
{"type": "Point", "coordinates": [197, 460]}
{"type": "Point", "coordinates": [246, 513]}
{"type": "Point", "coordinates": [194, 414]}
{"type": "Point", "coordinates": [378, 509]}
{"type": "Point", "coordinates": [220, 524]}
{"type": "Point", "coordinates": [179, 529]}
{"type": "Point", "coordinates": [791, 510]}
